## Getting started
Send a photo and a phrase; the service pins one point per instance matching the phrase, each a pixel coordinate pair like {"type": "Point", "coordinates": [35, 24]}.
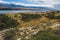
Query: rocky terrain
{"type": "Point", "coordinates": [30, 26]}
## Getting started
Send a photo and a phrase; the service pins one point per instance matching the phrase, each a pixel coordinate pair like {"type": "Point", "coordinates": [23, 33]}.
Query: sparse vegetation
{"type": "Point", "coordinates": [11, 35]}
{"type": "Point", "coordinates": [44, 35]}
{"type": "Point", "coordinates": [48, 25]}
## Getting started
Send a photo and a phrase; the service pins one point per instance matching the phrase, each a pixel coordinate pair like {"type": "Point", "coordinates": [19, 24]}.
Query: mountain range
{"type": "Point", "coordinates": [19, 7]}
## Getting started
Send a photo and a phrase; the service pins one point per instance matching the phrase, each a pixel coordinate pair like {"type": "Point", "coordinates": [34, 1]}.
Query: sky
{"type": "Point", "coordinates": [46, 3]}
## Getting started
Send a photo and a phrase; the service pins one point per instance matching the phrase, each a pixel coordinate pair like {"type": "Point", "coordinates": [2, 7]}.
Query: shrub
{"type": "Point", "coordinates": [7, 22]}
{"type": "Point", "coordinates": [28, 17]}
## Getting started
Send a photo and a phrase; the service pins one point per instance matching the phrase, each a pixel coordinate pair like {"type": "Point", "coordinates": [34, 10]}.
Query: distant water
{"type": "Point", "coordinates": [16, 11]}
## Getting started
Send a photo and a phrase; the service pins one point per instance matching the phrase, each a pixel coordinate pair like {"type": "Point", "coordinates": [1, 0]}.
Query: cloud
{"type": "Point", "coordinates": [37, 1]}
{"type": "Point", "coordinates": [45, 1]}
{"type": "Point", "coordinates": [25, 4]}
{"type": "Point", "coordinates": [1, 1]}
{"type": "Point", "coordinates": [32, 4]}
{"type": "Point", "coordinates": [48, 3]}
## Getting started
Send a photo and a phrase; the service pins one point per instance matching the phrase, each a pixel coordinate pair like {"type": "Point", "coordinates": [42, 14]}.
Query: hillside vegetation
{"type": "Point", "coordinates": [46, 24]}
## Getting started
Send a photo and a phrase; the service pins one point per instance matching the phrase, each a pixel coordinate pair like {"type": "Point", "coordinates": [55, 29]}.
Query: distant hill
{"type": "Point", "coordinates": [10, 5]}
{"type": "Point", "coordinates": [21, 7]}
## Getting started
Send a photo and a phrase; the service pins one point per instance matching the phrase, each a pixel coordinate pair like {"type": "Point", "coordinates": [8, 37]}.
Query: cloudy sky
{"type": "Point", "coordinates": [47, 3]}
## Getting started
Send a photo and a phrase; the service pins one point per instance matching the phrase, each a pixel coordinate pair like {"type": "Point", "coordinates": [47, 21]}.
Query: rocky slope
{"type": "Point", "coordinates": [32, 23]}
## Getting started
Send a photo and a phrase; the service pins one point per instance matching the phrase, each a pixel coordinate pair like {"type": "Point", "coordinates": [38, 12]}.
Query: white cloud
{"type": "Point", "coordinates": [25, 4]}
{"type": "Point", "coordinates": [37, 1]}
{"type": "Point", "coordinates": [4, 2]}
{"type": "Point", "coordinates": [48, 3]}
{"type": "Point", "coordinates": [44, 3]}
{"type": "Point", "coordinates": [32, 4]}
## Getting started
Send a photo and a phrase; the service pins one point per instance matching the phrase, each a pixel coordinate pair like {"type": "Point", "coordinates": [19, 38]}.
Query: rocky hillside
{"type": "Point", "coordinates": [30, 26]}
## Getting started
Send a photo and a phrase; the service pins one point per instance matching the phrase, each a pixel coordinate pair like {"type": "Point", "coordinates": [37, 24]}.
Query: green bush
{"type": "Point", "coordinates": [28, 17]}
{"type": "Point", "coordinates": [44, 35]}
{"type": "Point", "coordinates": [51, 16]}
{"type": "Point", "coordinates": [7, 22]}
{"type": "Point", "coordinates": [11, 35]}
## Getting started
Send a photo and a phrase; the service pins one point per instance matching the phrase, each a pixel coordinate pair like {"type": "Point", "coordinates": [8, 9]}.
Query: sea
{"type": "Point", "coordinates": [17, 11]}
